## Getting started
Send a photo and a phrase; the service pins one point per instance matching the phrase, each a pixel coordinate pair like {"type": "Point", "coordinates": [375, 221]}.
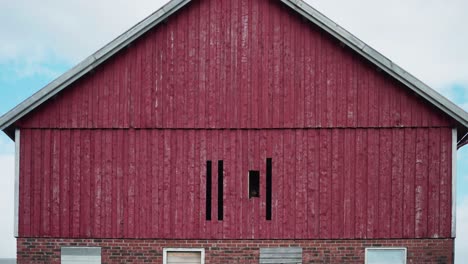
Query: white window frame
{"type": "Point", "coordinates": [405, 250]}
{"type": "Point", "coordinates": [201, 250]}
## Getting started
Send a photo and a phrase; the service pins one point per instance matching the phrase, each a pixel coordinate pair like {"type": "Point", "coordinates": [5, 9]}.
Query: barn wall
{"type": "Point", "coordinates": [236, 64]}
{"type": "Point", "coordinates": [145, 183]}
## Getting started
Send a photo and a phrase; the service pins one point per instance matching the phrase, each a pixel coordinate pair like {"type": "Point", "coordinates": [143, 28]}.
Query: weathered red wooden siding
{"type": "Point", "coordinates": [327, 183]}
{"type": "Point", "coordinates": [236, 64]}
{"type": "Point", "coordinates": [122, 153]}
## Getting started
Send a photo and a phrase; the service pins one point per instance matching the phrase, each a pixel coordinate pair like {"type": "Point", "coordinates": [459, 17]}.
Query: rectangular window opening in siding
{"type": "Point", "coordinates": [208, 190]}
{"type": "Point", "coordinates": [220, 189]}
{"type": "Point", "coordinates": [75, 255]}
{"type": "Point", "coordinates": [254, 184]}
{"type": "Point", "coordinates": [268, 188]}
{"type": "Point", "coordinates": [183, 255]}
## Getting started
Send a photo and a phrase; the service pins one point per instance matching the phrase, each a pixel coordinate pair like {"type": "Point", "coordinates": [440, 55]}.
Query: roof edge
{"type": "Point", "coordinates": [380, 60]}
{"type": "Point", "coordinates": [89, 63]}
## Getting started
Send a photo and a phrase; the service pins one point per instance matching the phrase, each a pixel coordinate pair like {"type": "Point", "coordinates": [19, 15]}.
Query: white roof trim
{"type": "Point", "coordinates": [298, 5]}
{"type": "Point", "coordinates": [89, 63]}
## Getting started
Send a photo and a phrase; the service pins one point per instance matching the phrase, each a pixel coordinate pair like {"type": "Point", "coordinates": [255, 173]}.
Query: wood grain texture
{"type": "Point", "coordinates": [327, 183]}
{"type": "Point", "coordinates": [248, 64]}
{"type": "Point", "coordinates": [122, 152]}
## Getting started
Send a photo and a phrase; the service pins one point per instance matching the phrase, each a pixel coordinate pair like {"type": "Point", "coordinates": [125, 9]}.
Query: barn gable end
{"type": "Point", "coordinates": [228, 65]}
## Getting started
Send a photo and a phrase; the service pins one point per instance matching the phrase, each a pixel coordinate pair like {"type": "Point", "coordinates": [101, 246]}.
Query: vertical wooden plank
{"type": "Point", "coordinates": [433, 183]}
{"type": "Point", "coordinates": [255, 64]}
{"type": "Point", "coordinates": [313, 183]}
{"type": "Point", "coordinates": [120, 163]}
{"type": "Point", "coordinates": [308, 77]}
{"type": "Point", "coordinates": [147, 80]}
{"type": "Point", "coordinates": [361, 183]}
{"type": "Point", "coordinates": [45, 174]}
{"type": "Point", "coordinates": [277, 68]}
{"type": "Point", "coordinates": [178, 165]}
{"type": "Point", "coordinates": [180, 72]}
{"type": "Point", "coordinates": [257, 162]}
{"type": "Point", "coordinates": [385, 183]}
{"type": "Point", "coordinates": [331, 82]}
{"type": "Point", "coordinates": [75, 183]}
{"type": "Point", "coordinates": [325, 182]}
{"type": "Point", "coordinates": [240, 187]}
{"type": "Point", "coordinates": [301, 184]}
{"type": "Point", "coordinates": [409, 162]}
{"type": "Point", "coordinates": [191, 96]}
{"type": "Point", "coordinates": [192, 206]}
{"type": "Point", "coordinates": [137, 88]}
{"type": "Point", "coordinates": [339, 179]}
{"type": "Point", "coordinates": [125, 90]}
{"type": "Point", "coordinates": [64, 183]}
{"type": "Point", "coordinates": [445, 199]}
{"type": "Point", "coordinates": [140, 219]}
{"type": "Point", "coordinates": [321, 98]}
{"type": "Point", "coordinates": [373, 142]}
{"type": "Point", "coordinates": [203, 66]}
{"type": "Point", "coordinates": [263, 155]}
{"type": "Point", "coordinates": [278, 178]}
{"type": "Point", "coordinates": [289, 205]}
{"type": "Point", "coordinates": [397, 183]}
{"type": "Point", "coordinates": [421, 182]}
{"type": "Point", "coordinates": [349, 187]}
{"type": "Point", "coordinates": [384, 101]}
{"type": "Point", "coordinates": [169, 115]}
{"type": "Point", "coordinates": [244, 63]}
{"type": "Point", "coordinates": [374, 99]}
{"type": "Point", "coordinates": [114, 182]}
{"type": "Point", "coordinates": [201, 137]}
{"type": "Point", "coordinates": [36, 183]}
{"type": "Point", "coordinates": [85, 194]}
{"type": "Point", "coordinates": [107, 182]}
{"type": "Point", "coordinates": [288, 72]}
{"type": "Point", "coordinates": [131, 189]}
{"type": "Point", "coordinates": [24, 217]}
{"type": "Point", "coordinates": [362, 74]}
{"type": "Point", "coordinates": [55, 184]}
{"type": "Point", "coordinates": [235, 73]}
{"type": "Point", "coordinates": [126, 182]}
{"type": "Point", "coordinates": [343, 72]}
{"type": "Point", "coordinates": [107, 75]}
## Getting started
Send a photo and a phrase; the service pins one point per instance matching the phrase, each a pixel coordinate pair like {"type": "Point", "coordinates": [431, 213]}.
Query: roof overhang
{"type": "Point", "coordinates": [84, 67]}
{"type": "Point", "coordinates": [417, 86]}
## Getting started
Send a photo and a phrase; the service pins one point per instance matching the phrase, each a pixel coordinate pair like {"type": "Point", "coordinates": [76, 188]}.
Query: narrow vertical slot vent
{"type": "Point", "coordinates": [220, 189]}
{"type": "Point", "coordinates": [208, 190]}
{"type": "Point", "coordinates": [254, 184]}
{"type": "Point", "coordinates": [268, 189]}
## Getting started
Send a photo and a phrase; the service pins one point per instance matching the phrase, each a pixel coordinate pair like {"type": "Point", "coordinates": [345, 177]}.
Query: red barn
{"type": "Point", "coordinates": [236, 132]}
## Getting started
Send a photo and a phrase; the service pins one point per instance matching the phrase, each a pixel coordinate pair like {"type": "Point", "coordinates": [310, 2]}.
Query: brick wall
{"type": "Point", "coordinates": [41, 250]}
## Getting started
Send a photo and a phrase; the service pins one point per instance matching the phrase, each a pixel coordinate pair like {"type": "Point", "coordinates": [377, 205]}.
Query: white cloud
{"type": "Point", "coordinates": [427, 38]}
{"type": "Point", "coordinates": [7, 241]}
{"type": "Point", "coordinates": [41, 32]}
{"type": "Point", "coordinates": [461, 242]}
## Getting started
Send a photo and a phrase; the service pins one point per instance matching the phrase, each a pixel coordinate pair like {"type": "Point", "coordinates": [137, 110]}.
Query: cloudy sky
{"type": "Point", "coordinates": [42, 39]}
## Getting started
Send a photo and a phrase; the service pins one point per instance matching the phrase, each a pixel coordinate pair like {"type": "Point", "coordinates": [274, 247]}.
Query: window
{"type": "Point", "coordinates": [254, 184]}
{"type": "Point", "coordinates": [281, 255]}
{"type": "Point", "coordinates": [184, 255]}
{"type": "Point", "coordinates": [385, 256]}
{"type": "Point", "coordinates": [75, 255]}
